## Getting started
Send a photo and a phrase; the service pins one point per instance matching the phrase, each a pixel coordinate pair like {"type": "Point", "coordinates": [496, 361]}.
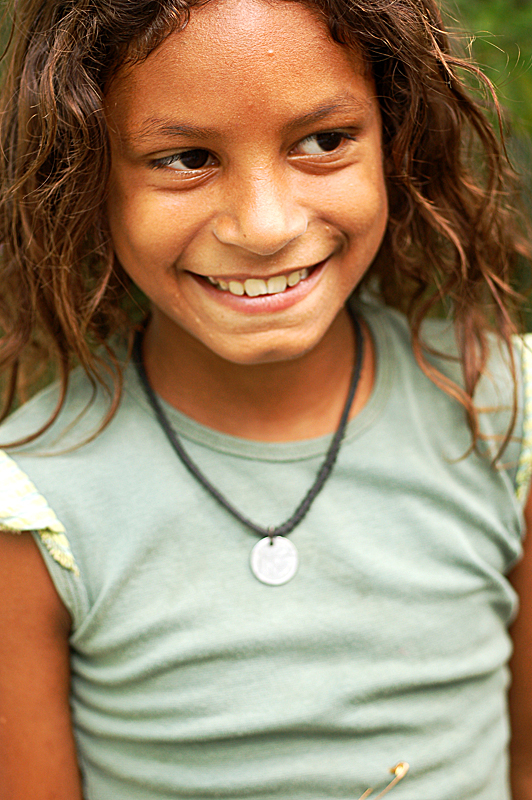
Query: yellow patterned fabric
{"type": "Point", "coordinates": [22, 508]}
{"type": "Point", "coordinates": [524, 470]}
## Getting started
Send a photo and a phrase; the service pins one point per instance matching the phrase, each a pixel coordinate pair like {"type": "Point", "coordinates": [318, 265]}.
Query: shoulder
{"type": "Point", "coordinates": [505, 386]}
{"type": "Point", "coordinates": [60, 486]}
{"type": "Point", "coordinates": [524, 468]}
{"type": "Point", "coordinates": [440, 349]}
{"type": "Point", "coordinates": [23, 508]}
{"type": "Point", "coordinates": [393, 333]}
{"type": "Point", "coordinates": [79, 419]}
{"type": "Point", "coordinates": [78, 415]}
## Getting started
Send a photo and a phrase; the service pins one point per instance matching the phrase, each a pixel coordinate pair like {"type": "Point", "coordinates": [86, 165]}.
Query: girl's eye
{"type": "Point", "coordinates": [188, 160]}
{"type": "Point", "coordinates": [320, 143]}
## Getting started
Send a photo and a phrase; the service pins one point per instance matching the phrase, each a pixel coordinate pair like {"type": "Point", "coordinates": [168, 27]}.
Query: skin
{"type": "Point", "coordinates": [268, 201]}
{"type": "Point", "coordinates": [37, 751]}
{"type": "Point", "coordinates": [521, 668]}
{"type": "Point", "coordinates": [265, 203]}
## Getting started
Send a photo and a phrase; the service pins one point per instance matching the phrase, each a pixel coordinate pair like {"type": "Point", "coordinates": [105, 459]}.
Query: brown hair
{"type": "Point", "coordinates": [452, 236]}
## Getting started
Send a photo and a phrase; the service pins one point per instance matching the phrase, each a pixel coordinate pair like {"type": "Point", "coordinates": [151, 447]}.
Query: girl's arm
{"type": "Point", "coordinates": [37, 751]}
{"type": "Point", "coordinates": [521, 666]}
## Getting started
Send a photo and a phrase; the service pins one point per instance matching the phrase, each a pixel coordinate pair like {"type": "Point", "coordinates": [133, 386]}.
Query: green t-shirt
{"type": "Point", "coordinates": [191, 679]}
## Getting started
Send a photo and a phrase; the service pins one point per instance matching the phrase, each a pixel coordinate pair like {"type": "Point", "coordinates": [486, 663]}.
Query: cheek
{"type": "Point", "coordinates": [153, 230]}
{"type": "Point", "coordinates": [140, 229]}
{"type": "Point", "coordinates": [359, 207]}
{"type": "Point", "coordinates": [356, 196]}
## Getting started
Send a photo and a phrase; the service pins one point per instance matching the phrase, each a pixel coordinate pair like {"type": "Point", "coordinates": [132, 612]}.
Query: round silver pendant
{"type": "Point", "coordinates": [274, 560]}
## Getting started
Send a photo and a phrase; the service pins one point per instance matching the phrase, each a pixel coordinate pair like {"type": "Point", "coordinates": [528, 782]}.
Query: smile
{"type": "Point", "coordinates": [254, 287]}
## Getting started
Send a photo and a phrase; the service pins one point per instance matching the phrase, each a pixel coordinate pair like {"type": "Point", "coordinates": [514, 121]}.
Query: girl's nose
{"type": "Point", "coordinates": [261, 216]}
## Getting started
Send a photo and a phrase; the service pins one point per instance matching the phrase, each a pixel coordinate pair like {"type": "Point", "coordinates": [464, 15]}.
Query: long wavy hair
{"type": "Point", "coordinates": [453, 236]}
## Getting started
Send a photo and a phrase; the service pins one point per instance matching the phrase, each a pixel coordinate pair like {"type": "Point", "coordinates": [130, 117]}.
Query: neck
{"type": "Point", "coordinates": [298, 399]}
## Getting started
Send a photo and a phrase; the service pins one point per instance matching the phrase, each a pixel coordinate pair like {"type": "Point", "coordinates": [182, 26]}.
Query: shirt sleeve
{"type": "Point", "coordinates": [524, 468]}
{"type": "Point", "coordinates": [22, 508]}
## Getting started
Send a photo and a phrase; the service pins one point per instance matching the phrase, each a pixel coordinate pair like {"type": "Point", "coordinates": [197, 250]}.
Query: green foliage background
{"type": "Point", "coordinates": [499, 37]}
{"type": "Point", "coordinates": [501, 42]}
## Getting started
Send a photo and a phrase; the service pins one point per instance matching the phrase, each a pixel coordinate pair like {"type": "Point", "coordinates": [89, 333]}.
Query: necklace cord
{"type": "Point", "coordinates": [323, 473]}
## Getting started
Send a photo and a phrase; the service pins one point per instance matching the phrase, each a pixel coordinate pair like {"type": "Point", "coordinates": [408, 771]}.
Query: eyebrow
{"type": "Point", "coordinates": [157, 127]}
{"type": "Point", "coordinates": [166, 127]}
{"type": "Point", "coordinates": [343, 103]}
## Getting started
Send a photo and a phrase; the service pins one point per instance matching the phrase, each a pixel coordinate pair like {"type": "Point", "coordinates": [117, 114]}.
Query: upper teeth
{"type": "Point", "coordinates": [254, 287]}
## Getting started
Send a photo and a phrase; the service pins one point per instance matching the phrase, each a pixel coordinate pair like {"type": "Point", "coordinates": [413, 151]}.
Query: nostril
{"type": "Point", "coordinates": [258, 233]}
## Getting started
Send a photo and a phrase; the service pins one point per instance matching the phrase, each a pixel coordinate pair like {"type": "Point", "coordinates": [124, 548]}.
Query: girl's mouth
{"type": "Point", "coordinates": [254, 287]}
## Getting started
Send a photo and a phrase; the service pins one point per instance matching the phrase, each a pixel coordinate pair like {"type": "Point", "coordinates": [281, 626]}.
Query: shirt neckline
{"type": "Point", "coordinates": [302, 449]}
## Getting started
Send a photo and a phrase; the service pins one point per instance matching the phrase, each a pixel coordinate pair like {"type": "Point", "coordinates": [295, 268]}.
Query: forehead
{"type": "Point", "coordinates": [240, 59]}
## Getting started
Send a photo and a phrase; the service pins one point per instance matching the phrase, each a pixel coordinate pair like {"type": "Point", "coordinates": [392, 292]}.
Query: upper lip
{"type": "Point", "coordinates": [260, 276]}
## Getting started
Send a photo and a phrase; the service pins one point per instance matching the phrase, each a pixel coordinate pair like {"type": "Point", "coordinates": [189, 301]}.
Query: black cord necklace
{"type": "Point", "coordinates": [274, 559]}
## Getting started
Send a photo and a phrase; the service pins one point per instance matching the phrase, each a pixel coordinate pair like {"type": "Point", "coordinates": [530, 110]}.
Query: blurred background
{"type": "Point", "coordinates": [498, 34]}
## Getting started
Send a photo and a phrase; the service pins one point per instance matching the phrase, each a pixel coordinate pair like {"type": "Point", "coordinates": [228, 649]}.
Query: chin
{"type": "Point", "coordinates": [255, 356]}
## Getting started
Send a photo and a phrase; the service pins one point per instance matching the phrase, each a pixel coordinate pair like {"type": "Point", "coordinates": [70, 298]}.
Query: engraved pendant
{"type": "Point", "coordinates": [274, 560]}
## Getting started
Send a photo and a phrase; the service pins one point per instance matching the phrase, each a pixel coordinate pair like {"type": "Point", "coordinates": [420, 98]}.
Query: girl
{"type": "Point", "coordinates": [266, 556]}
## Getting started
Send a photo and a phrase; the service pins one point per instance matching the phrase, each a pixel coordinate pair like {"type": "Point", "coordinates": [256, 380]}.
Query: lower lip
{"type": "Point", "coordinates": [265, 303]}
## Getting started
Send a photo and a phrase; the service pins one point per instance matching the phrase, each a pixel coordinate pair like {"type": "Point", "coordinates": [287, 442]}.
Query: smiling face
{"type": "Point", "coordinates": [247, 195]}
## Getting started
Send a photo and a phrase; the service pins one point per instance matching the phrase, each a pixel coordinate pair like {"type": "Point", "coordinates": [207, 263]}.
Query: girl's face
{"type": "Point", "coordinates": [247, 195]}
